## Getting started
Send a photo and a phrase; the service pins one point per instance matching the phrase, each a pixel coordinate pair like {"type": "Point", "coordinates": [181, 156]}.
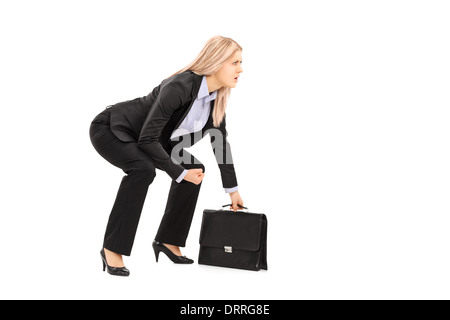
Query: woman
{"type": "Point", "coordinates": [149, 133]}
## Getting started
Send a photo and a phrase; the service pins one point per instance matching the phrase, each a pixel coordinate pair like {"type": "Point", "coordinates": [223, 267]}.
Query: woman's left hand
{"type": "Point", "coordinates": [235, 200]}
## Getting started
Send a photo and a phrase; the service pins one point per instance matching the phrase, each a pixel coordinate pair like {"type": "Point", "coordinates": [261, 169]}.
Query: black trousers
{"type": "Point", "coordinates": [140, 171]}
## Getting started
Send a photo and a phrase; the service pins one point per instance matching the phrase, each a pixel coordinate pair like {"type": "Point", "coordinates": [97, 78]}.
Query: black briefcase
{"type": "Point", "coordinates": [233, 239]}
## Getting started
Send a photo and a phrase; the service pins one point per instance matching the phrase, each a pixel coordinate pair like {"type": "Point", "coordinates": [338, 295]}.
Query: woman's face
{"type": "Point", "coordinates": [228, 75]}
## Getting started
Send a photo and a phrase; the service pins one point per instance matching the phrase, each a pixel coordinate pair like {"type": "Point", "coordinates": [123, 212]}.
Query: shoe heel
{"type": "Point", "coordinates": [104, 266]}
{"type": "Point", "coordinates": [156, 254]}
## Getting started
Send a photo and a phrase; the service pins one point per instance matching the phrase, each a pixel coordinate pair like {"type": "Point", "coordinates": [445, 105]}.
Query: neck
{"type": "Point", "coordinates": [213, 83]}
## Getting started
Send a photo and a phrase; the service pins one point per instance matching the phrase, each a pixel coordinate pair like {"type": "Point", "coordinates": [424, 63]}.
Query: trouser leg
{"type": "Point", "coordinates": [180, 207]}
{"type": "Point", "coordinates": [140, 172]}
{"type": "Point", "coordinates": [126, 212]}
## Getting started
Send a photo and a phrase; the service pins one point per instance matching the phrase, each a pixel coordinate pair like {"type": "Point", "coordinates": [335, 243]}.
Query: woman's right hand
{"type": "Point", "coordinates": [194, 175]}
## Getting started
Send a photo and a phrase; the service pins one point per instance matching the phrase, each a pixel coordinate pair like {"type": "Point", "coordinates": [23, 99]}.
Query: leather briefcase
{"type": "Point", "coordinates": [233, 239]}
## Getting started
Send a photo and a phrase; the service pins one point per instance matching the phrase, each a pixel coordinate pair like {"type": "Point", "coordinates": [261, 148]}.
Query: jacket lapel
{"type": "Point", "coordinates": [197, 81]}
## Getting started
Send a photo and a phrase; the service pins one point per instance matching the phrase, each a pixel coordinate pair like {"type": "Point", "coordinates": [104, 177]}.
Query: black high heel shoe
{"type": "Point", "coordinates": [158, 247]}
{"type": "Point", "coordinates": [121, 272]}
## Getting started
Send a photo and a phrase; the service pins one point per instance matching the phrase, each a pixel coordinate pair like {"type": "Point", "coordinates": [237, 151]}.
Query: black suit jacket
{"type": "Point", "coordinates": [151, 119]}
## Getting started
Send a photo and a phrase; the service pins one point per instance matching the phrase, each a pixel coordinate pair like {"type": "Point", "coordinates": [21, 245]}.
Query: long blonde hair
{"type": "Point", "coordinates": [211, 59]}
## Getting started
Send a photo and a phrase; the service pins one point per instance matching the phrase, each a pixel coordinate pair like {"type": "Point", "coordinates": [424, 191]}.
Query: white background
{"type": "Point", "coordinates": [339, 128]}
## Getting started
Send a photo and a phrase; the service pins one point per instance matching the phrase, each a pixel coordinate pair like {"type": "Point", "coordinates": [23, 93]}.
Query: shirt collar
{"type": "Point", "coordinates": [204, 92]}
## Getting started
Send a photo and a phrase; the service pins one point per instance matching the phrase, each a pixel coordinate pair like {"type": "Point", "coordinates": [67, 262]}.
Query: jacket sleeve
{"type": "Point", "coordinates": [171, 97]}
{"type": "Point", "coordinates": [222, 152]}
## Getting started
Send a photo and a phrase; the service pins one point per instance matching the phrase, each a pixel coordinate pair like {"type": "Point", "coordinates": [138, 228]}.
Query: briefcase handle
{"type": "Point", "coordinates": [227, 205]}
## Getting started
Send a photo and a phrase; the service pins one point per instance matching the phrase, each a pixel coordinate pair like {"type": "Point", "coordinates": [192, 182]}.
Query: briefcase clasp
{"type": "Point", "coordinates": [228, 249]}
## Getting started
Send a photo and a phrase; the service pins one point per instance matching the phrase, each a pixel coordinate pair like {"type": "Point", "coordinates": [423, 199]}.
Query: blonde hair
{"type": "Point", "coordinates": [211, 59]}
